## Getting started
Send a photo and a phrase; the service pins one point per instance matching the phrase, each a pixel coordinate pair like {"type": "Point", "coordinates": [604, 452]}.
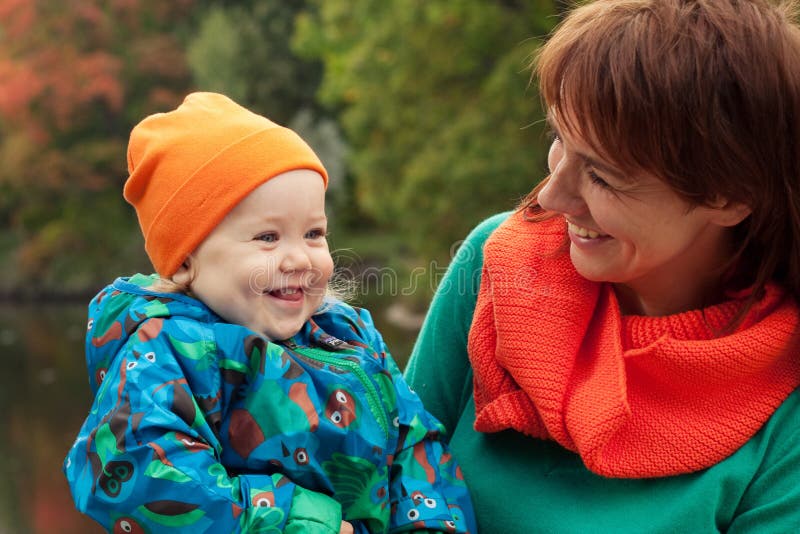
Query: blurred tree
{"type": "Point", "coordinates": [242, 48]}
{"type": "Point", "coordinates": [74, 78]}
{"type": "Point", "coordinates": [443, 126]}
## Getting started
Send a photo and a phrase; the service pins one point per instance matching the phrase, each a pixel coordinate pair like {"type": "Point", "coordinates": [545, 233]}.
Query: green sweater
{"type": "Point", "coordinates": [522, 485]}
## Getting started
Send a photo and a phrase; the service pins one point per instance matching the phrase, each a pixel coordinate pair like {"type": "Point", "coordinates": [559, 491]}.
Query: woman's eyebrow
{"type": "Point", "coordinates": [602, 167]}
{"type": "Point", "coordinates": [590, 160]}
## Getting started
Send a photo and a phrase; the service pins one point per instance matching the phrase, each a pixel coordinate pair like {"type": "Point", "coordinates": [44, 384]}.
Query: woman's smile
{"type": "Point", "coordinates": [584, 233]}
{"type": "Point", "coordinates": [632, 230]}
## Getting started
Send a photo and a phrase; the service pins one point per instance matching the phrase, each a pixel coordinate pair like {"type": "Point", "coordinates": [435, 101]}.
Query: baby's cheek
{"type": "Point", "coordinates": [324, 269]}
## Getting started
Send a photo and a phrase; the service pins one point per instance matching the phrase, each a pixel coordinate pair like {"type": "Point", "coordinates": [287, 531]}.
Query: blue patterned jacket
{"type": "Point", "coordinates": [204, 426]}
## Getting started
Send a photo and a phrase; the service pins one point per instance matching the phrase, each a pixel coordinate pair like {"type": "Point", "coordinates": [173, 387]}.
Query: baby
{"type": "Point", "coordinates": [232, 395]}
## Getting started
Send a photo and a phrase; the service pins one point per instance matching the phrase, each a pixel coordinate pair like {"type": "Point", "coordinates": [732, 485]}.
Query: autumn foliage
{"type": "Point", "coordinates": [422, 110]}
{"type": "Point", "coordinates": [74, 78]}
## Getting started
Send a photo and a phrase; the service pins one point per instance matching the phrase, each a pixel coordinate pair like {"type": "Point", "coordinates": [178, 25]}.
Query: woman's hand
{"type": "Point", "coordinates": [346, 528]}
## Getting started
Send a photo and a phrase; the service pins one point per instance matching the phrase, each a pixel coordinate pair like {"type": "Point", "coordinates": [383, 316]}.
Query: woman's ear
{"type": "Point", "coordinates": [728, 213]}
{"type": "Point", "coordinates": [185, 273]}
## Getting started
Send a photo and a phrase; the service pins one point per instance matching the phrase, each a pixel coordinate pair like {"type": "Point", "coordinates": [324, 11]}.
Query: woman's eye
{"type": "Point", "coordinates": [267, 238]}
{"type": "Point", "coordinates": [598, 181]}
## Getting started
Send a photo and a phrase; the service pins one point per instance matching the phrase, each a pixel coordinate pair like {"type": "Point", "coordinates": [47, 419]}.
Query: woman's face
{"type": "Point", "coordinates": [661, 253]}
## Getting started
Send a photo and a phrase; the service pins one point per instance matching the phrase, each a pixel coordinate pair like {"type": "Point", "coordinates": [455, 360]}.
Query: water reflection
{"type": "Point", "coordinates": [45, 392]}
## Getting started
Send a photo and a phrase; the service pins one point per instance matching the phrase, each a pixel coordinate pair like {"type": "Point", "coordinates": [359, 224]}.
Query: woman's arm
{"type": "Point", "coordinates": [771, 502]}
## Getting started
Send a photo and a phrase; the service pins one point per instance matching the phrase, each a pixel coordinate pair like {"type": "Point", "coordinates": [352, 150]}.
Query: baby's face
{"type": "Point", "coordinates": [267, 264]}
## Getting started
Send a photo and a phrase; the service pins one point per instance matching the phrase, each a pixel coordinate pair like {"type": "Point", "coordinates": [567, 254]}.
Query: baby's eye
{"type": "Point", "coordinates": [269, 237]}
{"type": "Point", "coordinates": [316, 233]}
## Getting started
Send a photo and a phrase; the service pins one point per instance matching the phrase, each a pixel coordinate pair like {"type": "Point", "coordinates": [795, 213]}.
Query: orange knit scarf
{"type": "Point", "coordinates": [634, 396]}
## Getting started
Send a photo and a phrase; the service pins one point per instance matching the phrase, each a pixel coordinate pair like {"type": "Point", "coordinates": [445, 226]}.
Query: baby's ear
{"type": "Point", "coordinates": [185, 273]}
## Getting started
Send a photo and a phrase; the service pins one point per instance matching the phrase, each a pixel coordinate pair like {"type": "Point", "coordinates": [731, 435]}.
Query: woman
{"type": "Point", "coordinates": [625, 356]}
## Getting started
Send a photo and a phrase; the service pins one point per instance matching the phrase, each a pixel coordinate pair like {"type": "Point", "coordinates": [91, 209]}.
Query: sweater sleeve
{"type": "Point", "coordinates": [439, 369]}
{"type": "Point", "coordinates": [427, 492]}
{"type": "Point", "coordinates": [147, 460]}
{"type": "Point", "coordinates": [771, 502]}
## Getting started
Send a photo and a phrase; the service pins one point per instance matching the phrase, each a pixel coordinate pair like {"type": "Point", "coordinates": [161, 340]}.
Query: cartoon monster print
{"type": "Point", "coordinates": [100, 372]}
{"type": "Point", "coordinates": [127, 525]}
{"type": "Point", "coordinates": [361, 489]}
{"type": "Point", "coordinates": [112, 333]}
{"type": "Point", "coordinates": [296, 459]}
{"type": "Point", "coordinates": [458, 521]}
{"type": "Point", "coordinates": [114, 474]}
{"type": "Point", "coordinates": [340, 409]}
{"type": "Point", "coordinates": [419, 500]}
{"type": "Point", "coordinates": [244, 433]}
{"type": "Point", "coordinates": [299, 455]}
{"type": "Point", "coordinates": [298, 393]}
{"type": "Point", "coordinates": [272, 412]}
{"type": "Point", "coordinates": [264, 517]}
{"type": "Point", "coordinates": [189, 443]}
{"type": "Point", "coordinates": [182, 403]}
{"type": "Point", "coordinates": [264, 498]}
{"type": "Point", "coordinates": [450, 470]}
{"type": "Point", "coordinates": [108, 328]}
{"type": "Point", "coordinates": [158, 514]}
{"type": "Point", "coordinates": [109, 442]}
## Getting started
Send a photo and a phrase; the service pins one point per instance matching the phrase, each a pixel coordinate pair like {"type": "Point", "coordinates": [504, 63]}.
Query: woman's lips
{"type": "Point", "coordinates": [585, 233]}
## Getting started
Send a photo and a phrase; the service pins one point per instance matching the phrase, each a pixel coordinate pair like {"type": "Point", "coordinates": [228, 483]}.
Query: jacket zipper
{"type": "Point", "coordinates": [373, 399]}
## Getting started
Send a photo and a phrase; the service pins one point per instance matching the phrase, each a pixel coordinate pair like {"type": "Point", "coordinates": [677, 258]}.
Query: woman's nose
{"type": "Point", "coordinates": [561, 193]}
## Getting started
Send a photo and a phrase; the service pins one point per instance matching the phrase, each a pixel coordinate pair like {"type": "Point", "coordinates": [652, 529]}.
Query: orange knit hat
{"type": "Point", "coordinates": [191, 166]}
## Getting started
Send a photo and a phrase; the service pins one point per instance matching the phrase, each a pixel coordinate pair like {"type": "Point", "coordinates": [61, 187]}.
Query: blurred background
{"type": "Point", "coordinates": [420, 109]}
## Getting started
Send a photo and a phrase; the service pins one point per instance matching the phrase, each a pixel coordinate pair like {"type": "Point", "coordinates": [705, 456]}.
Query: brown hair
{"type": "Point", "coordinates": [705, 94]}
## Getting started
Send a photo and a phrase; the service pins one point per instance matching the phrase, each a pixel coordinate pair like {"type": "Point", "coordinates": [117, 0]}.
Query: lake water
{"type": "Point", "coordinates": [45, 395]}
